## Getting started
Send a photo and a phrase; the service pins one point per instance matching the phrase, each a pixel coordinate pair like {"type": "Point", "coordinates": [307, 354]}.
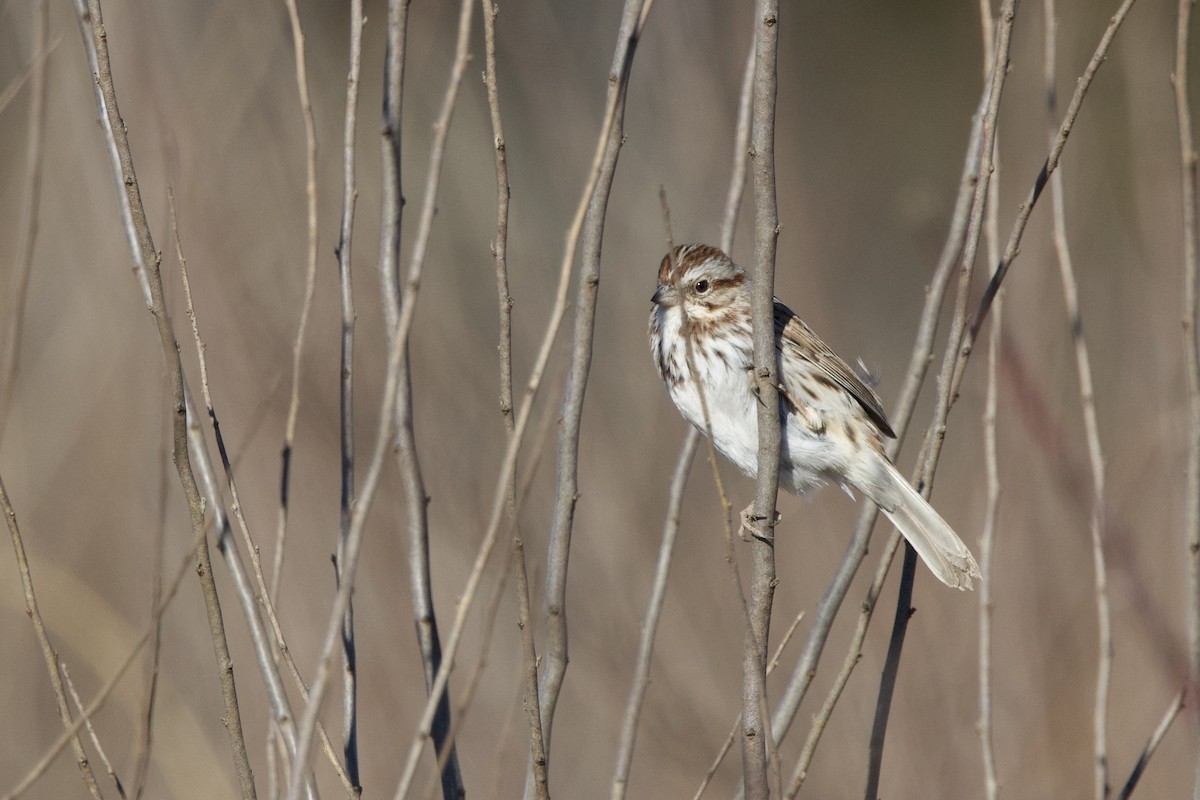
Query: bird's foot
{"type": "Point", "coordinates": [751, 527]}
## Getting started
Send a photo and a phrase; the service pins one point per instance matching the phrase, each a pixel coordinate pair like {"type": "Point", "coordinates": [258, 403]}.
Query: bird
{"type": "Point", "coordinates": [833, 424]}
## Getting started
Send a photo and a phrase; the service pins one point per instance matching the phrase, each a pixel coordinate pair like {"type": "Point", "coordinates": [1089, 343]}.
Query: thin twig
{"type": "Point", "coordinates": [467, 695]}
{"type": "Point", "coordinates": [687, 452]}
{"type": "Point", "coordinates": [1191, 360]}
{"type": "Point", "coordinates": [821, 719]}
{"type": "Point", "coordinates": [399, 335]}
{"type": "Point", "coordinates": [518, 562]}
{"type": "Point", "coordinates": [741, 153]}
{"type": "Point", "coordinates": [108, 767]}
{"type": "Point", "coordinates": [39, 768]}
{"type": "Point", "coordinates": [945, 397]}
{"type": "Point", "coordinates": [608, 148]}
{"type": "Point", "coordinates": [146, 262]}
{"type": "Point", "coordinates": [144, 737]}
{"type": "Point", "coordinates": [27, 239]}
{"type": "Point", "coordinates": [737, 723]}
{"type": "Point", "coordinates": [346, 393]}
{"type": "Point", "coordinates": [991, 783]}
{"type": "Point", "coordinates": [756, 722]}
{"type": "Point", "coordinates": [256, 596]}
{"type": "Point", "coordinates": [641, 669]}
{"type": "Point", "coordinates": [49, 654]}
{"type": "Point", "coordinates": [407, 458]}
{"type": "Point", "coordinates": [1083, 367]}
{"type": "Point", "coordinates": [310, 139]}
{"type": "Point", "coordinates": [1060, 141]}
{"type": "Point", "coordinates": [537, 752]}
{"type": "Point", "coordinates": [1152, 745]}
{"type": "Point", "coordinates": [901, 418]}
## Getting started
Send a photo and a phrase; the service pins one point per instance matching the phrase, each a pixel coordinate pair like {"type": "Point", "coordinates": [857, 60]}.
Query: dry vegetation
{"type": "Point", "coordinates": [875, 107]}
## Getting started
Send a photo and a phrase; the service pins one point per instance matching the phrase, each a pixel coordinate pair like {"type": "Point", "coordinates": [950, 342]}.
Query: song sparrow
{"type": "Point", "coordinates": [833, 423]}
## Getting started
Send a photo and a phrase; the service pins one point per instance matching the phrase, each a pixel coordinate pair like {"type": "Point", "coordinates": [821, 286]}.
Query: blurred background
{"type": "Point", "coordinates": [875, 101]}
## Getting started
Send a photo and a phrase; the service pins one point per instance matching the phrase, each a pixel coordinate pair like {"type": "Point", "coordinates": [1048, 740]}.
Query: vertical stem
{"type": "Point", "coordinates": [946, 388]}
{"type": "Point", "coordinates": [567, 489]}
{"type": "Point", "coordinates": [537, 750]}
{"type": "Point", "coordinates": [755, 719]}
{"type": "Point", "coordinates": [349, 196]}
{"type": "Point", "coordinates": [407, 459]}
{"type": "Point", "coordinates": [1104, 657]}
{"type": "Point", "coordinates": [991, 783]}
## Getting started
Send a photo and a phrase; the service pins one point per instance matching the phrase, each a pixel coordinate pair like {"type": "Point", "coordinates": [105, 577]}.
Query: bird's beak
{"type": "Point", "coordinates": [658, 298]}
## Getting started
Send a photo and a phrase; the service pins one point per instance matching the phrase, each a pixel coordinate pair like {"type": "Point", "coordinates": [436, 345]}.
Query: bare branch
{"type": "Point", "coordinates": [737, 723]}
{"type": "Point", "coordinates": [346, 394]}
{"type": "Point", "coordinates": [641, 669]}
{"type": "Point", "coordinates": [945, 391]}
{"type": "Point", "coordinates": [687, 451]}
{"type": "Point", "coordinates": [901, 418]}
{"type": "Point", "coordinates": [991, 783]}
{"type": "Point", "coordinates": [49, 655]}
{"type": "Point", "coordinates": [756, 732]}
{"type": "Point", "coordinates": [146, 261]}
{"type": "Point", "coordinates": [252, 597]}
{"type": "Point", "coordinates": [1083, 367]}
{"type": "Point", "coordinates": [537, 751]}
{"type": "Point", "coordinates": [595, 201]}
{"type": "Point", "coordinates": [108, 767]}
{"type": "Point", "coordinates": [821, 719]}
{"type": "Point", "coordinates": [72, 731]}
{"type": "Point", "coordinates": [1152, 745]}
{"type": "Point", "coordinates": [408, 462]}
{"type": "Point", "coordinates": [1051, 163]}
{"type": "Point", "coordinates": [310, 138]}
{"type": "Point", "coordinates": [144, 737]}
{"type": "Point", "coordinates": [987, 540]}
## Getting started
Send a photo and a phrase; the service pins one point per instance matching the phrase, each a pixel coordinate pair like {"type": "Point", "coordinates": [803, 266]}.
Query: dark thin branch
{"type": "Point", "coordinates": [310, 168]}
{"type": "Point", "coordinates": [407, 457]}
{"type": "Point", "coordinates": [927, 466]}
{"type": "Point", "coordinates": [1148, 751]}
{"type": "Point", "coordinates": [346, 394]}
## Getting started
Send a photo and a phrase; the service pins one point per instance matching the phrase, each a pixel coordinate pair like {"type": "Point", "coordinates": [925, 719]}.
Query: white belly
{"type": "Point", "coordinates": [807, 458]}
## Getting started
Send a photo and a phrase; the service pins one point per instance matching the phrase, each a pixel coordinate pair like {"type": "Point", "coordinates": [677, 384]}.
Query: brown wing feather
{"type": "Point", "coordinates": [792, 331]}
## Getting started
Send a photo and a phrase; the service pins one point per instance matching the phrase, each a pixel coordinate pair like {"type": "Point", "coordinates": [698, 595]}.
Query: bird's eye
{"type": "Point", "coordinates": [702, 286]}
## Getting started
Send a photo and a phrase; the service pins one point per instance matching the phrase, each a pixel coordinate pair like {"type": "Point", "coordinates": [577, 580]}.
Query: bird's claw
{"type": "Point", "coordinates": [751, 527]}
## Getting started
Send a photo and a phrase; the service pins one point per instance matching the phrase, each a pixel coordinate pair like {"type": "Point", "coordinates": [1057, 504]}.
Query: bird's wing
{"type": "Point", "coordinates": [796, 337]}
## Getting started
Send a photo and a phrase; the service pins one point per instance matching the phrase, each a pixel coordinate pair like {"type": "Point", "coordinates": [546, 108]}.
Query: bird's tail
{"type": "Point", "coordinates": [934, 540]}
